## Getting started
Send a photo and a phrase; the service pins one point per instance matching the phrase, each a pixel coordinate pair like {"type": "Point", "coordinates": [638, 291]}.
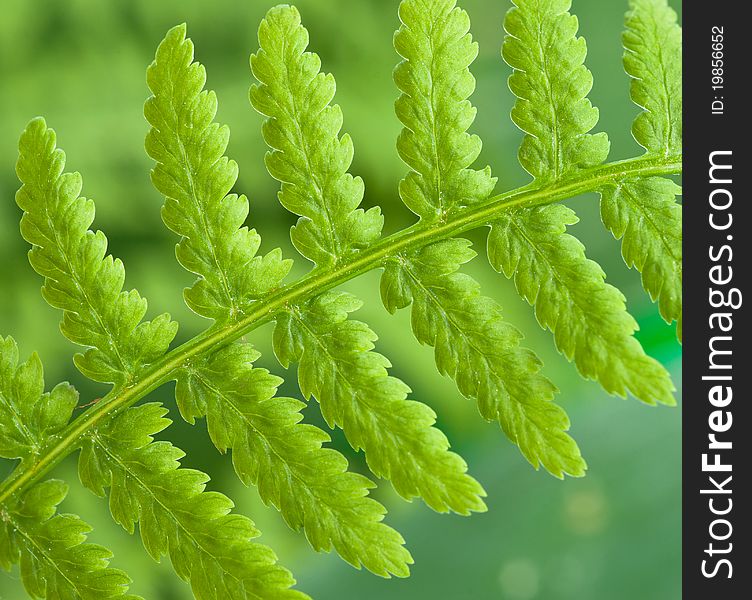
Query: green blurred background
{"type": "Point", "coordinates": [613, 535]}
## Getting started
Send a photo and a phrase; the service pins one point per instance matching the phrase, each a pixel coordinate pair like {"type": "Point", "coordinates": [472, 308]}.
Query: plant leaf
{"type": "Point", "coordinates": [586, 315]}
{"type": "Point", "coordinates": [339, 367]}
{"type": "Point", "coordinates": [55, 560]}
{"type": "Point", "coordinates": [643, 213]}
{"type": "Point", "coordinates": [652, 58]}
{"type": "Point", "coordinates": [551, 84]}
{"type": "Point", "coordinates": [481, 352]}
{"type": "Point", "coordinates": [28, 416]}
{"type": "Point", "coordinates": [78, 277]}
{"type": "Point", "coordinates": [472, 344]}
{"type": "Point", "coordinates": [196, 178]}
{"type": "Point", "coordinates": [308, 155]}
{"type": "Point", "coordinates": [435, 82]}
{"type": "Point", "coordinates": [272, 449]}
{"type": "Point", "coordinates": [208, 545]}
{"type": "Point", "coordinates": [588, 318]}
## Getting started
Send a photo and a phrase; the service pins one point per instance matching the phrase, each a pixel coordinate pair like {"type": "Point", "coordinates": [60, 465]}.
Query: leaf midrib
{"type": "Point", "coordinates": [319, 281]}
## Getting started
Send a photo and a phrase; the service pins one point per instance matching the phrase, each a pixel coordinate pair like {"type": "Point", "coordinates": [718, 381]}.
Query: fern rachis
{"type": "Point", "coordinates": [239, 290]}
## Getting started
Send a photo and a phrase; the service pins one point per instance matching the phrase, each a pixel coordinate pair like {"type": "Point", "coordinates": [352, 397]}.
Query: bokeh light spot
{"type": "Point", "coordinates": [586, 511]}
{"type": "Point", "coordinates": [519, 580]}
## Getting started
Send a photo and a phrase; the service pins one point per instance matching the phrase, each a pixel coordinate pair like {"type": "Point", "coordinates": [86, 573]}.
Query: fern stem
{"type": "Point", "coordinates": [319, 280]}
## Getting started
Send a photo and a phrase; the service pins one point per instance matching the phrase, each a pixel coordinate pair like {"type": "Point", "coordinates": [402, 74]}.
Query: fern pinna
{"type": "Point", "coordinates": [238, 289]}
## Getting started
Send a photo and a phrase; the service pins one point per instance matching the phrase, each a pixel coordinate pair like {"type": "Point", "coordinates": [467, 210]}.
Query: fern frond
{"type": "Point", "coordinates": [291, 463]}
{"type": "Point", "coordinates": [436, 82]}
{"type": "Point", "coordinates": [55, 560]}
{"type": "Point", "coordinates": [588, 317]}
{"type": "Point", "coordinates": [78, 277]}
{"type": "Point", "coordinates": [644, 213]}
{"type": "Point", "coordinates": [308, 155]}
{"type": "Point", "coordinates": [28, 416]}
{"type": "Point", "coordinates": [652, 58]}
{"type": "Point", "coordinates": [196, 178]}
{"type": "Point", "coordinates": [209, 546]}
{"type": "Point", "coordinates": [481, 352]}
{"type": "Point", "coordinates": [310, 485]}
{"type": "Point", "coordinates": [339, 367]}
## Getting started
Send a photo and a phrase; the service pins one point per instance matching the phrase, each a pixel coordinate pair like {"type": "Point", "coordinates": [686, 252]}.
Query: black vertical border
{"type": "Point", "coordinates": [705, 132]}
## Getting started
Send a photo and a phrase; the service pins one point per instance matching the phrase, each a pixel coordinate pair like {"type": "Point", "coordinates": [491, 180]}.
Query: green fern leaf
{"type": "Point", "coordinates": [28, 416]}
{"type": "Point", "coordinates": [551, 84]}
{"type": "Point", "coordinates": [208, 545]}
{"type": "Point", "coordinates": [356, 393]}
{"type": "Point", "coordinates": [79, 279]}
{"type": "Point", "coordinates": [481, 352]}
{"type": "Point", "coordinates": [55, 561]}
{"type": "Point", "coordinates": [643, 213]}
{"type": "Point", "coordinates": [652, 58]}
{"type": "Point", "coordinates": [291, 462]}
{"type": "Point", "coordinates": [196, 178]}
{"type": "Point", "coordinates": [308, 156]}
{"type": "Point", "coordinates": [486, 362]}
{"type": "Point", "coordinates": [435, 81]}
{"type": "Point", "coordinates": [309, 484]}
{"type": "Point", "coordinates": [588, 317]}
